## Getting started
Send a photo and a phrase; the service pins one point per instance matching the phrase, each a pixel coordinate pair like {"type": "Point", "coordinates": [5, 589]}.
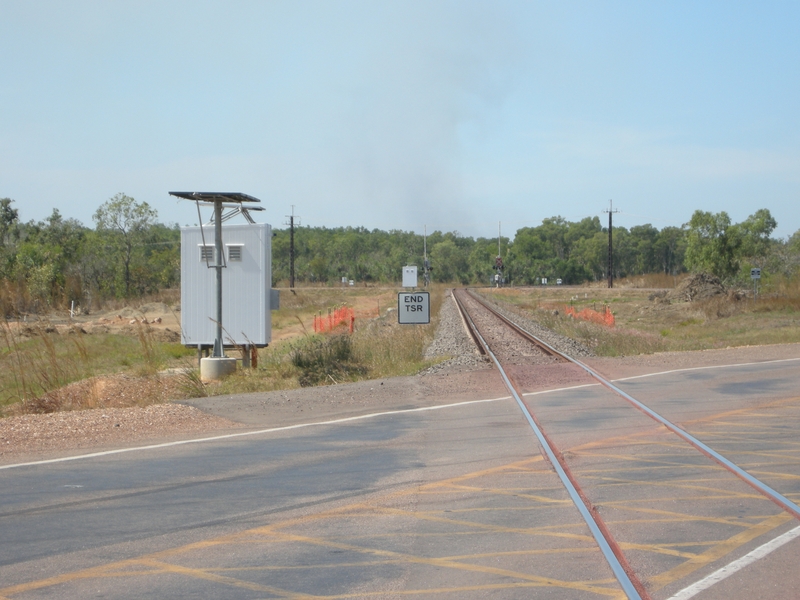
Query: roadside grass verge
{"type": "Point", "coordinates": [37, 361]}
{"type": "Point", "coordinates": [648, 322]}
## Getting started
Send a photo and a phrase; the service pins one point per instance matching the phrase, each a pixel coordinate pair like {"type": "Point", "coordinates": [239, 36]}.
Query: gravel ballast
{"type": "Point", "coordinates": [452, 340]}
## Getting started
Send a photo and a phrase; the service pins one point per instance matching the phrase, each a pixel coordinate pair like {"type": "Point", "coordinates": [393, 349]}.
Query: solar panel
{"type": "Point", "coordinates": [212, 197]}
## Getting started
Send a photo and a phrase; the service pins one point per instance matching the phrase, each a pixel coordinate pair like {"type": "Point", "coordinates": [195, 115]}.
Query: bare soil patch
{"type": "Point", "coordinates": [161, 321]}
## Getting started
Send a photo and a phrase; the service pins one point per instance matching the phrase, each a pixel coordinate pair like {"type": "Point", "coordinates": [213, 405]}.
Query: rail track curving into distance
{"type": "Point", "coordinates": [510, 345]}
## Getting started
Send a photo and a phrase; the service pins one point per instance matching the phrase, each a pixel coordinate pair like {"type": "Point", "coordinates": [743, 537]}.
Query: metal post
{"type": "Point", "coordinates": [426, 266]}
{"type": "Point", "coordinates": [610, 211]}
{"type": "Point", "coordinates": [218, 348]}
{"type": "Point", "coordinates": [291, 250]}
{"type": "Point", "coordinates": [610, 255]}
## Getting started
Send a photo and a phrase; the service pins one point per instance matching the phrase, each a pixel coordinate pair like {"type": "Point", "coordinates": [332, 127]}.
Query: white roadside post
{"type": "Point", "coordinates": [755, 275]}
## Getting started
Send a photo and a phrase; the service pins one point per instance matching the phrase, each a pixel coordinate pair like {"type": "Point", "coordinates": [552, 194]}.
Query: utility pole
{"type": "Point", "coordinates": [498, 261]}
{"type": "Point", "coordinates": [291, 249]}
{"type": "Point", "coordinates": [426, 266]}
{"type": "Point", "coordinates": [610, 211]}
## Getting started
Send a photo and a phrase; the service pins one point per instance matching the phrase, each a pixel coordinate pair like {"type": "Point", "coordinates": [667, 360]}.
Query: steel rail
{"type": "Point", "coordinates": [547, 349]}
{"type": "Point", "coordinates": [600, 536]}
{"type": "Point", "coordinates": [782, 501]}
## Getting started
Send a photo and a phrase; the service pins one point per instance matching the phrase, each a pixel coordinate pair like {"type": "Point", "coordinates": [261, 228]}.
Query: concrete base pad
{"type": "Point", "coordinates": [215, 368]}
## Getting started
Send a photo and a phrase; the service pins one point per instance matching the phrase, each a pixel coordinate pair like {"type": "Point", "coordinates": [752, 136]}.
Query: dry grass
{"type": "Point", "coordinates": [16, 300]}
{"type": "Point", "coordinates": [33, 369]}
{"type": "Point", "coordinates": [38, 365]}
{"type": "Point", "coordinates": [296, 314]}
{"type": "Point", "coordinates": [389, 349]}
{"type": "Point", "coordinates": [646, 323]}
{"type": "Point", "coordinates": [170, 297]}
{"type": "Point", "coordinates": [379, 346]}
{"type": "Point", "coordinates": [649, 281]}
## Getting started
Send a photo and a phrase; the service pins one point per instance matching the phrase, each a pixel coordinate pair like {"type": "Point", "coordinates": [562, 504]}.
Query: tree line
{"type": "Point", "coordinates": [129, 253]}
{"type": "Point", "coordinates": [52, 263]}
{"type": "Point", "coordinates": [575, 252]}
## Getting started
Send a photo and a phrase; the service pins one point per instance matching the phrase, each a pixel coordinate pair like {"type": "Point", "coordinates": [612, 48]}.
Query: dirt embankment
{"type": "Point", "coordinates": [155, 319]}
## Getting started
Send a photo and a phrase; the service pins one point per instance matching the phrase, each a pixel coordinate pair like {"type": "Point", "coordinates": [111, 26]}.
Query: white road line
{"type": "Point", "coordinates": [249, 433]}
{"type": "Point", "coordinates": [750, 364]}
{"type": "Point", "coordinates": [564, 389]}
{"type": "Point", "coordinates": [585, 385]}
{"type": "Point", "coordinates": [736, 565]}
{"type": "Point", "coordinates": [368, 416]}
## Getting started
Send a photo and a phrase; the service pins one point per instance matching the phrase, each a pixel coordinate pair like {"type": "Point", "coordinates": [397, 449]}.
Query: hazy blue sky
{"type": "Point", "coordinates": [454, 115]}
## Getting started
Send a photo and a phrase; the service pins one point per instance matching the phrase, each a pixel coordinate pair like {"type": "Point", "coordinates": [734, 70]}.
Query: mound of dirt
{"type": "Point", "coordinates": [155, 307]}
{"type": "Point", "coordinates": [699, 286]}
{"type": "Point", "coordinates": [166, 335]}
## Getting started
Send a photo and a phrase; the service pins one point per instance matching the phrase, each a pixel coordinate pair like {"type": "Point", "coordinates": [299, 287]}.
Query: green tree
{"type": "Point", "coordinates": [9, 217]}
{"type": "Point", "coordinates": [591, 254]}
{"type": "Point", "coordinates": [9, 232]}
{"type": "Point", "coordinates": [124, 224]}
{"type": "Point", "coordinates": [716, 245]}
{"type": "Point", "coordinates": [643, 242]}
{"type": "Point", "coordinates": [713, 244]}
{"type": "Point", "coordinates": [449, 262]}
{"type": "Point", "coordinates": [755, 232]}
{"type": "Point", "coordinates": [669, 249]}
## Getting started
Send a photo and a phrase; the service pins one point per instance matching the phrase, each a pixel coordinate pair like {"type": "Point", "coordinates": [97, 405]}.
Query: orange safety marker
{"type": "Point", "coordinates": [343, 316]}
{"type": "Point", "coordinates": [587, 314]}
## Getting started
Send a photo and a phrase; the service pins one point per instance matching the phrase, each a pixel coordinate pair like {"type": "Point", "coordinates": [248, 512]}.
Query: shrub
{"type": "Point", "coordinates": [329, 358]}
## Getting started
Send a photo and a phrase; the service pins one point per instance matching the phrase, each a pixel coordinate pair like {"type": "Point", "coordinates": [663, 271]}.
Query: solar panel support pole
{"type": "Point", "coordinates": [218, 347]}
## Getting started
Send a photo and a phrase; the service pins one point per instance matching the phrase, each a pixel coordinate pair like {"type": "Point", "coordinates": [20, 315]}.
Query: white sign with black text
{"type": "Point", "coordinates": [413, 308]}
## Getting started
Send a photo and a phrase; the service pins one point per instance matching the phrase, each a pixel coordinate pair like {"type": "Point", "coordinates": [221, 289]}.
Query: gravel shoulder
{"type": "Point", "coordinates": [462, 377]}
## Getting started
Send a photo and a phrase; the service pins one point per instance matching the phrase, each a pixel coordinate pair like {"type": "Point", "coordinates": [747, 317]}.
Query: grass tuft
{"type": "Point", "coordinates": [326, 359]}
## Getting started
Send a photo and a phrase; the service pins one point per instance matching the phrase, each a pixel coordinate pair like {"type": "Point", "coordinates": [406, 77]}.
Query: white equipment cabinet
{"type": "Point", "coordinates": [247, 278]}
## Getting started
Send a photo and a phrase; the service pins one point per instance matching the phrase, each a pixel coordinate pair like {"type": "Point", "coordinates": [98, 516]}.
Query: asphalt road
{"type": "Point", "coordinates": [446, 502]}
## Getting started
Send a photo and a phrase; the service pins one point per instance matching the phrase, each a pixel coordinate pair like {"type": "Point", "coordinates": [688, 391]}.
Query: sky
{"type": "Point", "coordinates": [452, 116]}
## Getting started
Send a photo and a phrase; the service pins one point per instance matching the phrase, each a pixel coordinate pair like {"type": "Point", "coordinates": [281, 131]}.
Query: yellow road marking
{"type": "Point", "coordinates": [721, 549]}
{"type": "Point", "coordinates": [679, 485]}
{"type": "Point", "coordinates": [517, 494]}
{"type": "Point", "coordinates": [745, 411]}
{"type": "Point", "coordinates": [276, 531]}
{"type": "Point", "coordinates": [229, 581]}
{"type": "Point", "coordinates": [543, 531]}
{"type": "Point", "coordinates": [684, 517]}
{"type": "Point", "coordinates": [453, 590]}
{"type": "Point", "coordinates": [444, 562]}
{"type": "Point", "coordinates": [716, 549]}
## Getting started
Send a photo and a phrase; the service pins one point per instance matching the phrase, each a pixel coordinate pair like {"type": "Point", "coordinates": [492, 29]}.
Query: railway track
{"type": "Point", "coordinates": [511, 347]}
